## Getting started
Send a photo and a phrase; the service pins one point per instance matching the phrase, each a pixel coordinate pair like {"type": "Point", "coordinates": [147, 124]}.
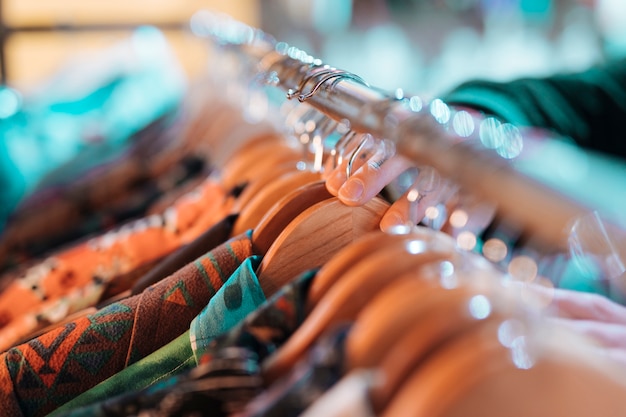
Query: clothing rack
{"type": "Point", "coordinates": [237, 322]}
{"type": "Point", "coordinates": [543, 213]}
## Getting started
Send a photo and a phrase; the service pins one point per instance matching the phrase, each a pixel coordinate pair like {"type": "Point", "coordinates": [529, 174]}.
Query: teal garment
{"type": "Point", "coordinates": [83, 118]}
{"type": "Point", "coordinates": [588, 107]}
{"type": "Point", "coordinates": [239, 296]}
{"type": "Point", "coordinates": [235, 300]}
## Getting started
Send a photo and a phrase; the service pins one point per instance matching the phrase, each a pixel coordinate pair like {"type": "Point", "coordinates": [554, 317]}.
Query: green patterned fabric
{"type": "Point", "coordinates": [39, 376]}
{"type": "Point", "coordinates": [239, 296]}
{"type": "Point", "coordinates": [228, 375]}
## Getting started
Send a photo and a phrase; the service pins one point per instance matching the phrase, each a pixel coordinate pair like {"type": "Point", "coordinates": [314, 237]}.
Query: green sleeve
{"type": "Point", "coordinates": [588, 107]}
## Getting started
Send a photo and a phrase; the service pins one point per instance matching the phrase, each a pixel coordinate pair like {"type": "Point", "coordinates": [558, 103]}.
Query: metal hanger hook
{"type": "Point", "coordinates": [314, 70]}
{"type": "Point", "coordinates": [355, 154]}
{"type": "Point", "coordinates": [340, 75]}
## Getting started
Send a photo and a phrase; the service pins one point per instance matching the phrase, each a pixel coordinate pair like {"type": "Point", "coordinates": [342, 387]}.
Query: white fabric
{"type": "Point", "coordinates": [347, 398]}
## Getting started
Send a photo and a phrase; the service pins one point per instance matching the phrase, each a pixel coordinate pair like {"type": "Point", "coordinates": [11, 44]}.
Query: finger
{"type": "Point", "coordinates": [586, 306]}
{"type": "Point", "coordinates": [370, 179]}
{"type": "Point", "coordinates": [336, 179]}
{"type": "Point", "coordinates": [355, 153]}
{"type": "Point", "coordinates": [616, 355]}
{"type": "Point", "coordinates": [609, 335]}
{"type": "Point", "coordinates": [410, 208]}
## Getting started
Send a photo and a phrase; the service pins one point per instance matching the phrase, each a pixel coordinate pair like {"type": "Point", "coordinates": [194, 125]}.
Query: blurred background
{"type": "Point", "coordinates": [428, 46]}
{"type": "Point", "coordinates": [83, 72]}
{"type": "Point", "coordinates": [423, 46]}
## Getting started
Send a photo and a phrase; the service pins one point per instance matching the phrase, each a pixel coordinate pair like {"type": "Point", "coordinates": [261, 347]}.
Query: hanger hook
{"type": "Point", "coordinates": [385, 104]}
{"type": "Point", "coordinates": [354, 155]}
{"type": "Point", "coordinates": [334, 73]}
{"type": "Point", "coordinates": [314, 70]}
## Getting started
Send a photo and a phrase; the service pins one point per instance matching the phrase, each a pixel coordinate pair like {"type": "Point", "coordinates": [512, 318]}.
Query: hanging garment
{"type": "Point", "coordinates": [239, 296]}
{"type": "Point", "coordinates": [87, 120]}
{"type": "Point", "coordinates": [213, 237]}
{"type": "Point", "coordinates": [108, 264]}
{"type": "Point", "coordinates": [259, 335]}
{"type": "Point", "coordinates": [221, 387]}
{"type": "Point", "coordinates": [587, 106]}
{"type": "Point", "coordinates": [90, 295]}
{"type": "Point", "coordinates": [309, 379]}
{"type": "Point", "coordinates": [38, 376]}
{"type": "Point", "coordinates": [56, 217]}
{"type": "Point", "coordinates": [65, 208]}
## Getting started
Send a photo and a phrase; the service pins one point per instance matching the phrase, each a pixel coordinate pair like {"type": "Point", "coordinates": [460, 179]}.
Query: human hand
{"type": "Point", "coordinates": [591, 315]}
{"type": "Point", "coordinates": [373, 165]}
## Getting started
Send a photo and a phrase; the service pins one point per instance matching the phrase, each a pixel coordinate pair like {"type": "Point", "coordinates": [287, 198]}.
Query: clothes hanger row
{"type": "Point", "coordinates": [268, 167]}
{"type": "Point", "coordinates": [304, 228]}
{"type": "Point", "coordinates": [426, 315]}
{"type": "Point", "coordinates": [410, 295]}
{"type": "Point", "coordinates": [322, 224]}
{"type": "Point", "coordinates": [284, 201]}
{"type": "Point", "coordinates": [267, 158]}
{"type": "Point", "coordinates": [443, 346]}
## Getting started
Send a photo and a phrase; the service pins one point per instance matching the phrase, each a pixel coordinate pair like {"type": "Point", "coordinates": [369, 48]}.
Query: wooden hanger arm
{"type": "Point", "coordinates": [384, 319]}
{"type": "Point", "coordinates": [314, 236]}
{"type": "Point", "coordinates": [264, 177]}
{"type": "Point", "coordinates": [284, 211]}
{"type": "Point", "coordinates": [344, 301]}
{"type": "Point", "coordinates": [243, 165]}
{"type": "Point", "coordinates": [361, 249]}
{"type": "Point", "coordinates": [445, 376]}
{"type": "Point", "coordinates": [262, 200]}
{"type": "Point", "coordinates": [446, 317]}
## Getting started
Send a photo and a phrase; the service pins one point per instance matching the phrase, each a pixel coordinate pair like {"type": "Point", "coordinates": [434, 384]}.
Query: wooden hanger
{"type": "Point", "coordinates": [314, 236]}
{"type": "Point", "coordinates": [391, 313]}
{"type": "Point", "coordinates": [255, 157]}
{"type": "Point", "coordinates": [345, 259]}
{"type": "Point", "coordinates": [274, 222]}
{"type": "Point", "coordinates": [402, 325]}
{"type": "Point", "coordinates": [252, 212]}
{"type": "Point", "coordinates": [477, 353]}
{"type": "Point", "coordinates": [475, 375]}
{"type": "Point", "coordinates": [345, 299]}
{"type": "Point", "coordinates": [264, 178]}
{"type": "Point", "coordinates": [383, 321]}
{"type": "Point", "coordinates": [227, 131]}
{"type": "Point", "coordinates": [330, 273]}
{"type": "Point", "coordinates": [405, 323]}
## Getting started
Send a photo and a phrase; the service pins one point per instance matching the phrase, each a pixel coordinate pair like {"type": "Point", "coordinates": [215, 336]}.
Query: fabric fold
{"type": "Point", "coordinates": [112, 261]}
{"type": "Point", "coordinates": [250, 341]}
{"type": "Point", "coordinates": [57, 366]}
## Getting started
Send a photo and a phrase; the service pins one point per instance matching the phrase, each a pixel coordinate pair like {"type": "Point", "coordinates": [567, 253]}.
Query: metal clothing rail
{"type": "Point", "coordinates": [544, 214]}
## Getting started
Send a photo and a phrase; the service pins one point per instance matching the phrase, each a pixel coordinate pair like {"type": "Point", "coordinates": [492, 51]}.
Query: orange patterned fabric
{"type": "Point", "coordinates": [38, 376]}
{"type": "Point", "coordinates": [77, 277]}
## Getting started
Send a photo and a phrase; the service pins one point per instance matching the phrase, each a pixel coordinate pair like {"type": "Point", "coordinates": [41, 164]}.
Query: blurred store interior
{"type": "Point", "coordinates": [424, 46]}
{"type": "Point", "coordinates": [62, 58]}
